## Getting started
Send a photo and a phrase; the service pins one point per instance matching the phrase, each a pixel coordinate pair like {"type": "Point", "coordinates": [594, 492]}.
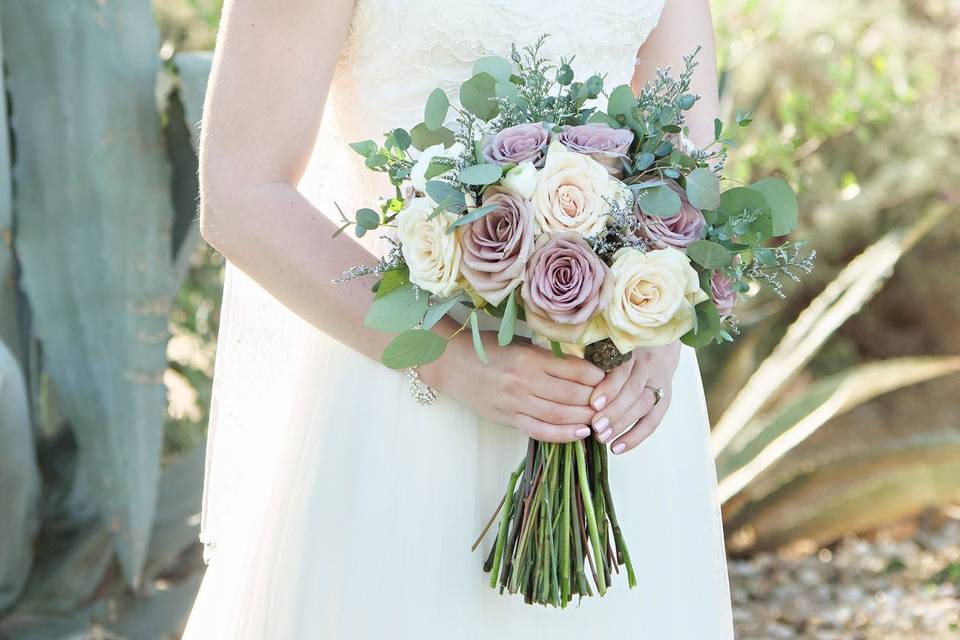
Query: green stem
{"type": "Point", "coordinates": [591, 517]}
{"type": "Point", "coordinates": [504, 523]}
{"type": "Point", "coordinates": [617, 532]}
{"type": "Point", "coordinates": [565, 526]}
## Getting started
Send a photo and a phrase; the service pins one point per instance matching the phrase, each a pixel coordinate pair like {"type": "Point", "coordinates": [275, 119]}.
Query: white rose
{"type": "Point", "coordinates": [521, 179]}
{"type": "Point", "coordinates": [654, 294]}
{"type": "Point", "coordinates": [419, 170]}
{"type": "Point", "coordinates": [431, 254]}
{"type": "Point", "coordinates": [570, 192]}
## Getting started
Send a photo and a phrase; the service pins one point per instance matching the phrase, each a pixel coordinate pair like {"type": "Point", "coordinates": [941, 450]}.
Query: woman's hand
{"type": "Point", "coordinates": [523, 386]}
{"type": "Point", "coordinates": [625, 407]}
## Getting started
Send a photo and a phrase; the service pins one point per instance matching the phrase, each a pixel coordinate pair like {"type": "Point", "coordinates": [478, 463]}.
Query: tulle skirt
{"type": "Point", "coordinates": [355, 508]}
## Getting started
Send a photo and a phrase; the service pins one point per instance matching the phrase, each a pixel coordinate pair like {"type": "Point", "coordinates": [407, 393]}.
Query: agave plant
{"type": "Point", "coordinates": [749, 441]}
{"type": "Point", "coordinates": [103, 212]}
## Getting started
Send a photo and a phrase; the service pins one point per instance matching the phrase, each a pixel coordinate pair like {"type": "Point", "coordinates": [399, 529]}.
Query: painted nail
{"type": "Point", "coordinates": [583, 432]}
{"type": "Point", "coordinates": [619, 447]}
{"type": "Point", "coordinates": [603, 437]}
{"type": "Point", "coordinates": [602, 424]}
{"type": "Point", "coordinates": [599, 402]}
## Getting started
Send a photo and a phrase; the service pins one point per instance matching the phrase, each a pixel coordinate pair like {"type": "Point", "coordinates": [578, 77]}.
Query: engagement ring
{"type": "Point", "coordinates": [657, 393]}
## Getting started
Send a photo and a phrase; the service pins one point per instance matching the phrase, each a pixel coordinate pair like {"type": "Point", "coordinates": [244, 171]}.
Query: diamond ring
{"type": "Point", "coordinates": [657, 393]}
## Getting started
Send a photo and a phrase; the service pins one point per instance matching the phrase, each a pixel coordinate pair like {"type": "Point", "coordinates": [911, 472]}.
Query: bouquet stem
{"type": "Point", "coordinates": [555, 517]}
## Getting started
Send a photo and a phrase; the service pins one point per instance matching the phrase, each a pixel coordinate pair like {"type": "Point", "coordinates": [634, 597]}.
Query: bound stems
{"type": "Point", "coordinates": [555, 518]}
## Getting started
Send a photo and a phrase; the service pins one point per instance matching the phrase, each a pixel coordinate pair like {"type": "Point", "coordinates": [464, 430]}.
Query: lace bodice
{"type": "Point", "coordinates": [398, 51]}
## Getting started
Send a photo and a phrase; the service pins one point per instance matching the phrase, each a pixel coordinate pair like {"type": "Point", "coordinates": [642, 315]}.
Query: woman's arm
{"type": "Point", "coordinates": [626, 409]}
{"type": "Point", "coordinates": [272, 70]}
{"type": "Point", "coordinates": [684, 25]}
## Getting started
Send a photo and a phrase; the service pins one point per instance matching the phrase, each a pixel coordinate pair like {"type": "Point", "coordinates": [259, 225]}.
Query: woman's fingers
{"type": "Point", "coordinates": [644, 427]}
{"type": "Point", "coordinates": [560, 390]}
{"type": "Point", "coordinates": [609, 388]}
{"type": "Point", "coordinates": [616, 417]}
{"type": "Point", "coordinates": [545, 432]}
{"type": "Point", "coordinates": [574, 369]}
{"type": "Point", "coordinates": [556, 412]}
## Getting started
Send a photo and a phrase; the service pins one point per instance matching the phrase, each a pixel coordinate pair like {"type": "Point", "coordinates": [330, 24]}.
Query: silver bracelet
{"type": "Point", "coordinates": [420, 391]}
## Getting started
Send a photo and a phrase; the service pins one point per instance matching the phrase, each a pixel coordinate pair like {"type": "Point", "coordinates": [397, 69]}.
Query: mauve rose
{"type": "Point", "coordinates": [518, 143]}
{"type": "Point", "coordinates": [497, 245]}
{"type": "Point", "coordinates": [722, 293]}
{"type": "Point", "coordinates": [566, 285]}
{"type": "Point", "coordinates": [678, 230]}
{"type": "Point", "coordinates": [600, 141]}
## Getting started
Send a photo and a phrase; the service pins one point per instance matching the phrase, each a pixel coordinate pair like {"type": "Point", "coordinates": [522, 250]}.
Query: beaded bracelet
{"type": "Point", "coordinates": [420, 391]}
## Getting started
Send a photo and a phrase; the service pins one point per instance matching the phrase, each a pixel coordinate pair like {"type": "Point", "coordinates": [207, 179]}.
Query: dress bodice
{"type": "Point", "coordinates": [397, 51]}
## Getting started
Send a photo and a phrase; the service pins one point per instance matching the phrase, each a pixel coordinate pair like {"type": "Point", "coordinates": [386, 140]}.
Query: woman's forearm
{"type": "Point", "coordinates": [281, 240]}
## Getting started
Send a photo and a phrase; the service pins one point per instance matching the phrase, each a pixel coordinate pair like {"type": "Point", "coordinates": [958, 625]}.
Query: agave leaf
{"type": "Point", "coordinates": [767, 439]}
{"type": "Point", "coordinates": [19, 478]}
{"type": "Point", "coordinates": [9, 331]}
{"type": "Point", "coordinates": [178, 511]}
{"type": "Point", "coordinates": [853, 287]}
{"type": "Point", "coordinates": [69, 571]}
{"type": "Point", "coordinates": [95, 244]}
{"type": "Point", "coordinates": [181, 87]}
{"type": "Point", "coordinates": [885, 481]}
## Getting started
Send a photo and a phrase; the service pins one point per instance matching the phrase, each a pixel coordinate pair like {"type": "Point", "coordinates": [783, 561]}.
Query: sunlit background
{"type": "Point", "coordinates": [836, 413]}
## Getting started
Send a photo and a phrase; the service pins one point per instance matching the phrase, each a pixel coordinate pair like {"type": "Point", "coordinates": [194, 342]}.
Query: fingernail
{"type": "Point", "coordinates": [605, 435]}
{"type": "Point", "coordinates": [582, 432]}
{"type": "Point", "coordinates": [602, 424]}
{"type": "Point", "coordinates": [618, 448]}
{"type": "Point", "coordinates": [599, 402]}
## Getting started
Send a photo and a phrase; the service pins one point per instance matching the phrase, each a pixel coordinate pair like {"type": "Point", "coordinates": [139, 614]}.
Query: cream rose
{"type": "Point", "coordinates": [654, 294]}
{"type": "Point", "coordinates": [432, 255]}
{"type": "Point", "coordinates": [570, 192]}
{"type": "Point", "coordinates": [521, 179]}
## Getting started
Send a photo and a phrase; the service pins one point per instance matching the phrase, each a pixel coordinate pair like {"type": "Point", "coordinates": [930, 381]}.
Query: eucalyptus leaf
{"type": "Point", "coordinates": [368, 219]}
{"type": "Point", "coordinates": [440, 309]}
{"type": "Point", "coordinates": [703, 189]}
{"type": "Point", "coordinates": [508, 322]}
{"type": "Point", "coordinates": [782, 202]}
{"type": "Point", "coordinates": [392, 279]}
{"type": "Point", "coordinates": [709, 255]}
{"type": "Point", "coordinates": [476, 96]}
{"type": "Point", "coordinates": [621, 101]}
{"type": "Point", "coordinates": [717, 128]}
{"type": "Point", "coordinates": [477, 213]}
{"type": "Point", "coordinates": [364, 147]}
{"type": "Point", "coordinates": [736, 201]}
{"type": "Point", "coordinates": [498, 67]}
{"type": "Point", "coordinates": [421, 137]}
{"type": "Point", "coordinates": [446, 195]}
{"type": "Point", "coordinates": [707, 326]}
{"type": "Point", "coordinates": [477, 341]}
{"type": "Point", "coordinates": [397, 310]}
{"type": "Point", "coordinates": [644, 160]}
{"type": "Point", "coordinates": [412, 348]}
{"type": "Point", "coordinates": [660, 201]}
{"type": "Point", "coordinates": [600, 116]}
{"type": "Point", "coordinates": [435, 111]}
{"type": "Point", "coordinates": [481, 174]}
{"type": "Point", "coordinates": [438, 166]}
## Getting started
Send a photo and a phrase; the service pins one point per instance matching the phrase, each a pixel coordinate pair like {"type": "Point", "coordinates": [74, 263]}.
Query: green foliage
{"type": "Point", "coordinates": [412, 348]}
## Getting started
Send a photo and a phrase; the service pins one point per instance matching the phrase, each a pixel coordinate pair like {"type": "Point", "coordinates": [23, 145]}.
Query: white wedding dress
{"type": "Point", "coordinates": [335, 506]}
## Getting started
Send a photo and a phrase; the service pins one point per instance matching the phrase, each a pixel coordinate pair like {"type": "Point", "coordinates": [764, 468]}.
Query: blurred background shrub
{"type": "Point", "coordinates": [835, 411]}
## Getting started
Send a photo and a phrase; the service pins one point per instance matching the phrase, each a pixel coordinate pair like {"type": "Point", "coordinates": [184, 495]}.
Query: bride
{"type": "Point", "coordinates": [337, 507]}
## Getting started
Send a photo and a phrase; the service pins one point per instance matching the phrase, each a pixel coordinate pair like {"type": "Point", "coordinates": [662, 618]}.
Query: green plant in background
{"type": "Point", "coordinates": [98, 238]}
{"type": "Point", "coordinates": [856, 95]}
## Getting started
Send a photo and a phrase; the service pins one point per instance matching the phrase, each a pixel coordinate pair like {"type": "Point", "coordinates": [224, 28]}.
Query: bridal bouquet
{"type": "Point", "coordinates": [603, 229]}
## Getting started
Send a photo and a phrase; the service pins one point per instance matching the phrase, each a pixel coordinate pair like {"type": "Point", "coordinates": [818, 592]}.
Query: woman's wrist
{"type": "Point", "coordinates": [438, 373]}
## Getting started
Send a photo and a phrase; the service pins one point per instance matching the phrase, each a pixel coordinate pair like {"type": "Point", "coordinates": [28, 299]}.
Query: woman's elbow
{"type": "Point", "coordinates": [219, 209]}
